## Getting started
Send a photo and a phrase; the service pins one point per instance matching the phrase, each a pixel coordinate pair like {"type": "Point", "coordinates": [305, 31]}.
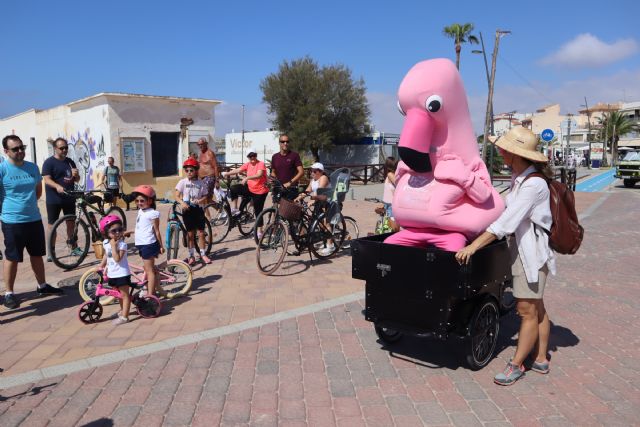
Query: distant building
{"type": "Point", "coordinates": [632, 111]}
{"type": "Point", "coordinates": [148, 136]}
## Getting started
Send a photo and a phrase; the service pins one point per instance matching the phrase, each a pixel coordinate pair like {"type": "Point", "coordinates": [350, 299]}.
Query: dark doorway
{"type": "Point", "coordinates": [164, 153]}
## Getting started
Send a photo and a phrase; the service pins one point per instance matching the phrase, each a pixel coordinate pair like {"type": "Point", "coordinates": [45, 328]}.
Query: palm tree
{"type": "Point", "coordinates": [460, 33]}
{"type": "Point", "coordinates": [613, 125]}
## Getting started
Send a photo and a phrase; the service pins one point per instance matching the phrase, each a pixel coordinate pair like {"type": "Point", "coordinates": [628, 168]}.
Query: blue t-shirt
{"type": "Point", "coordinates": [60, 173]}
{"type": "Point", "coordinates": [18, 192]}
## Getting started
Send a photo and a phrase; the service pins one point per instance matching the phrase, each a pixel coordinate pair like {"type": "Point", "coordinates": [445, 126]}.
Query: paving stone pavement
{"type": "Point", "coordinates": [327, 367]}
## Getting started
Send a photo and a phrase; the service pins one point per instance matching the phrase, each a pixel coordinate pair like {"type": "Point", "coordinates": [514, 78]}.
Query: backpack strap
{"type": "Point", "coordinates": [538, 175]}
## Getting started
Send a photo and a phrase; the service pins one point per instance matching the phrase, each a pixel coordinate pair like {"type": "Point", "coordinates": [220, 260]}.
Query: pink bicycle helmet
{"type": "Point", "coordinates": [107, 220]}
{"type": "Point", "coordinates": [145, 190]}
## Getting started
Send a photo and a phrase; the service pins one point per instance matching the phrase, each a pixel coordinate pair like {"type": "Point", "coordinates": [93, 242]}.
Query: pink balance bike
{"type": "Point", "coordinates": [147, 305]}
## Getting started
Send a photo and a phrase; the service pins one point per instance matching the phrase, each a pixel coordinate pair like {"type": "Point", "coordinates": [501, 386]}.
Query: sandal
{"type": "Point", "coordinates": [205, 259]}
{"type": "Point", "coordinates": [190, 260]}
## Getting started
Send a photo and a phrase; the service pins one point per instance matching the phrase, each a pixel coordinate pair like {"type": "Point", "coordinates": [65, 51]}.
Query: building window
{"type": "Point", "coordinates": [164, 153]}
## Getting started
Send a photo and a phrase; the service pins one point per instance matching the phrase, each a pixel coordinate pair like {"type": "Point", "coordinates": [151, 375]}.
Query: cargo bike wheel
{"type": "Point", "coordinates": [387, 335]}
{"type": "Point", "coordinates": [482, 336]}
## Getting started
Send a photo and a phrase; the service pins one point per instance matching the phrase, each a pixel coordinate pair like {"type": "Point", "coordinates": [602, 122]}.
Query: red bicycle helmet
{"type": "Point", "coordinates": [145, 190]}
{"type": "Point", "coordinates": [107, 220]}
{"type": "Point", "coordinates": [191, 163]}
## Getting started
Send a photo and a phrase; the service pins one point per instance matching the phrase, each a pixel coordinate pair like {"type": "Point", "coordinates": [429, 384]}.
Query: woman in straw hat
{"type": "Point", "coordinates": [526, 221]}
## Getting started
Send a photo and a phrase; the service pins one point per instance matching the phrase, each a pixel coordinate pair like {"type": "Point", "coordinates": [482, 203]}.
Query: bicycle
{"type": "Point", "coordinates": [269, 215]}
{"type": "Point", "coordinates": [175, 280]}
{"type": "Point", "coordinates": [69, 253]}
{"type": "Point", "coordinates": [221, 220]}
{"type": "Point", "coordinates": [384, 223]}
{"type": "Point", "coordinates": [148, 306]}
{"type": "Point", "coordinates": [176, 231]}
{"type": "Point", "coordinates": [322, 238]}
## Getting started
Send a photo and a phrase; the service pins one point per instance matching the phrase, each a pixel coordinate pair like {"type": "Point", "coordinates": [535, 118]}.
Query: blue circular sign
{"type": "Point", "coordinates": [547, 135]}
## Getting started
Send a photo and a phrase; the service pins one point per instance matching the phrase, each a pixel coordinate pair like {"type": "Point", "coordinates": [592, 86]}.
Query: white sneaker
{"type": "Point", "coordinates": [327, 251]}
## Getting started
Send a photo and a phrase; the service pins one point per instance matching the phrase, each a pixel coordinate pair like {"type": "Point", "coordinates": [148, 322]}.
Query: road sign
{"type": "Point", "coordinates": [547, 135]}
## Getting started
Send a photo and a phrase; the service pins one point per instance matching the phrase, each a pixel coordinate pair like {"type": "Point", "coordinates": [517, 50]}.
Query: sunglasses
{"type": "Point", "coordinates": [316, 170]}
{"type": "Point", "coordinates": [116, 230]}
{"type": "Point", "coordinates": [189, 170]}
{"type": "Point", "coordinates": [284, 142]}
{"type": "Point", "coordinates": [141, 200]}
{"type": "Point", "coordinates": [66, 147]}
{"type": "Point", "coordinates": [18, 148]}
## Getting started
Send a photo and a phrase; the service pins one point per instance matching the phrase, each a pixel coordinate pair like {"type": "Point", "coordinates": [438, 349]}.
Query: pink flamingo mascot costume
{"type": "Point", "coordinates": [443, 194]}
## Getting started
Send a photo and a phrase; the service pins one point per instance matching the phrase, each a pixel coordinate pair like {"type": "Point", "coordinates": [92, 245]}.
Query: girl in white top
{"type": "Point", "coordinates": [116, 263]}
{"type": "Point", "coordinates": [390, 166]}
{"type": "Point", "coordinates": [527, 220]}
{"type": "Point", "coordinates": [147, 235]}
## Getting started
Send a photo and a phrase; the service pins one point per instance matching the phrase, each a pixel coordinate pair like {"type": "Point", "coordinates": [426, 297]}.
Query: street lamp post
{"type": "Point", "coordinates": [487, 120]}
{"type": "Point", "coordinates": [242, 141]}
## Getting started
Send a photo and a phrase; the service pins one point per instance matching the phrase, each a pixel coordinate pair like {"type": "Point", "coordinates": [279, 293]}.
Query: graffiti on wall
{"type": "Point", "coordinates": [88, 156]}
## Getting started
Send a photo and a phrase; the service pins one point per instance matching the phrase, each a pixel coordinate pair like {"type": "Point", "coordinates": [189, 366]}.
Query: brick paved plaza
{"type": "Point", "coordinates": [244, 349]}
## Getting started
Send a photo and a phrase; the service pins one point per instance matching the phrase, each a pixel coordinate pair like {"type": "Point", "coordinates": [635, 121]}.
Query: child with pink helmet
{"type": "Point", "coordinates": [116, 263]}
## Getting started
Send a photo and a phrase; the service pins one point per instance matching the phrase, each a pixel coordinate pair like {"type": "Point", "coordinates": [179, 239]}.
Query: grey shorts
{"type": "Point", "coordinates": [523, 289]}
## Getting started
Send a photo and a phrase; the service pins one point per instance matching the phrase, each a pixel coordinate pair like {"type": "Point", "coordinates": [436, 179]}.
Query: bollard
{"type": "Point", "coordinates": [353, 197]}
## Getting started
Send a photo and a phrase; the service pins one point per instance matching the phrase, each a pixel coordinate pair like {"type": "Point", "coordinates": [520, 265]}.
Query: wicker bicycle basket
{"type": "Point", "coordinates": [289, 210]}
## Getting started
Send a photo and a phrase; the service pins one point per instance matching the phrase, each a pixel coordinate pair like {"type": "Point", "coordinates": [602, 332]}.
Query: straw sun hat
{"type": "Point", "coordinates": [521, 142]}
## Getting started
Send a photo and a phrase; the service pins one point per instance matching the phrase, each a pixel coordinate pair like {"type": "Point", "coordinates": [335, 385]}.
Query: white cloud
{"type": "Point", "coordinates": [586, 50]}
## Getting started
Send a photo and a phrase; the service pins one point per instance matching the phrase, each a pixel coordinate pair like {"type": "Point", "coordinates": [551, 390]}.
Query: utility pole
{"type": "Point", "coordinates": [487, 119]}
{"type": "Point", "coordinates": [589, 138]}
{"type": "Point", "coordinates": [242, 142]}
{"type": "Point", "coordinates": [604, 161]}
{"type": "Point", "coordinates": [566, 150]}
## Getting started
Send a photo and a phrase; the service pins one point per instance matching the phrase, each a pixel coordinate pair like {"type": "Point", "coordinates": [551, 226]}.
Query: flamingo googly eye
{"type": "Point", "coordinates": [401, 110]}
{"type": "Point", "coordinates": [433, 103]}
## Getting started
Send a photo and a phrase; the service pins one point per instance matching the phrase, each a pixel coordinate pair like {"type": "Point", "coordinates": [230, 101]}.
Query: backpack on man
{"type": "Point", "coordinates": [566, 233]}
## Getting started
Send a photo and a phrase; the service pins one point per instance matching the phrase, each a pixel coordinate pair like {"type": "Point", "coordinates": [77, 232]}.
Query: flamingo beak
{"type": "Point", "coordinates": [415, 140]}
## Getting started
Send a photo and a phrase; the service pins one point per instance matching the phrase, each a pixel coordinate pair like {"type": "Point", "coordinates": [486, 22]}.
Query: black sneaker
{"type": "Point", "coordinates": [11, 302]}
{"type": "Point", "coordinates": [47, 289]}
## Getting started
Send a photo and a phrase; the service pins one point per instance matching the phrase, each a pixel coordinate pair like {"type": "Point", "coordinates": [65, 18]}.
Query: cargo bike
{"type": "Point", "coordinates": [425, 292]}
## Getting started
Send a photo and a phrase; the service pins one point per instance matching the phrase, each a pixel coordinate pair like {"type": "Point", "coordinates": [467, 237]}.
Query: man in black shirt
{"type": "Point", "coordinates": [60, 174]}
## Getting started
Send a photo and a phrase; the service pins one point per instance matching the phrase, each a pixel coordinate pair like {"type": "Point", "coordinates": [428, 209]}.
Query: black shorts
{"type": "Point", "coordinates": [114, 193]}
{"type": "Point", "coordinates": [193, 218]}
{"type": "Point", "coordinates": [17, 237]}
{"type": "Point", "coordinates": [53, 210]}
{"type": "Point", "coordinates": [149, 251]}
{"type": "Point", "coordinates": [116, 282]}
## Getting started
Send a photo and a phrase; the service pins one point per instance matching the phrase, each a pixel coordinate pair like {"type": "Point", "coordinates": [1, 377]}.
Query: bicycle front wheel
{"type": "Point", "coordinates": [68, 247]}
{"type": "Point", "coordinates": [352, 232]}
{"type": "Point", "coordinates": [326, 237]}
{"type": "Point", "coordinates": [88, 284]}
{"type": "Point", "coordinates": [117, 211]}
{"type": "Point", "coordinates": [246, 221]}
{"type": "Point", "coordinates": [219, 218]}
{"type": "Point", "coordinates": [176, 278]}
{"type": "Point", "coordinates": [173, 241]}
{"type": "Point", "coordinates": [268, 217]}
{"type": "Point", "coordinates": [272, 248]}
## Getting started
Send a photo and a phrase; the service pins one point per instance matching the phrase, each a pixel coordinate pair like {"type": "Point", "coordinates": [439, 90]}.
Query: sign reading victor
{"type": "Point", "coordinates": [547, 135]}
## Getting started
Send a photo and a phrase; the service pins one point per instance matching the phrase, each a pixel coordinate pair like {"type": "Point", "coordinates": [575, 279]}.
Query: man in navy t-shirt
{"type": "Point", "coordinates": [20, 189]}
{"type": "Point", "coordinates": [60, 174]}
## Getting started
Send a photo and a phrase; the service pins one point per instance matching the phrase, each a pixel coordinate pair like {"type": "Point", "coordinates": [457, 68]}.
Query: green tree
{"type": "Point", "coordinates": [611, 127]}
{"type": "Point", "coordinates": [315, 105]}
{"type": "Point", "coordinates": [460, 33]}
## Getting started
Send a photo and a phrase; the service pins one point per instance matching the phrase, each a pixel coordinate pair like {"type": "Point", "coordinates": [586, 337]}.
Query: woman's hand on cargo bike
{"type": "Point", "coordinates": [464, 255]}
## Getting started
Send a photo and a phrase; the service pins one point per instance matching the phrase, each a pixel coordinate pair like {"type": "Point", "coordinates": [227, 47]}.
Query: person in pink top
{"type": "Point", "coordinates": [252, 187]}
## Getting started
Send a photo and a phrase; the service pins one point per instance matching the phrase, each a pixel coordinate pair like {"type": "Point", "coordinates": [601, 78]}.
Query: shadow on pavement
{"type": "Point", "coordinates": [32, 304]}
{"type": "Point", "coordinates": [196, 288]}
{"type": "Point", "coordinates": [102, 422]}
{"type": "Point", "coordinates": [434, 353]}
{"type": "Point", "coordinates": [31, 392]}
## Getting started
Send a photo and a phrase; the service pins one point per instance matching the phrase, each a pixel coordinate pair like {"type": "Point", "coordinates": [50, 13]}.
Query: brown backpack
{"type": "Point", "coordinates": [566, 233]}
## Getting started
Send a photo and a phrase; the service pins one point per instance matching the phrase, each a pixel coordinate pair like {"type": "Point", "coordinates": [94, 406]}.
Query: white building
{"type": "Point", "coordinates": [371, 149]}
{"type": "Point", "coordinates": [148, 136]}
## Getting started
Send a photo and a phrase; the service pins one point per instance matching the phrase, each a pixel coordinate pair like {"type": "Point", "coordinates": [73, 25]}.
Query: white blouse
{"type": "Point", "coordinates": [528, 206]}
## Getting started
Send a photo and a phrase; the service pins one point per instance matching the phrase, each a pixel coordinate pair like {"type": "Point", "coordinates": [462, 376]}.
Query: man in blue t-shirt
{"type": "Point", "coordinates": [20, 189]}
{"type": "Point", "coordinates": [60, 174]}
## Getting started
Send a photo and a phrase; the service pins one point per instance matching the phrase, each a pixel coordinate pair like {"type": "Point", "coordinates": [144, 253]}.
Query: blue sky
{"type": "Point", "coordinates": [559, 51]}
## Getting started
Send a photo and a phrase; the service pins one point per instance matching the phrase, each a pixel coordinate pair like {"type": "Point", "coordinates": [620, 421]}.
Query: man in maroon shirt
{"type": "Point", "coordinates": [287, 167]}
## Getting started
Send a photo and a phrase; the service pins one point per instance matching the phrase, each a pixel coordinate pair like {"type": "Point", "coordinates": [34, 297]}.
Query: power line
{"type": "Point", "coordinates": [542, 95]}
